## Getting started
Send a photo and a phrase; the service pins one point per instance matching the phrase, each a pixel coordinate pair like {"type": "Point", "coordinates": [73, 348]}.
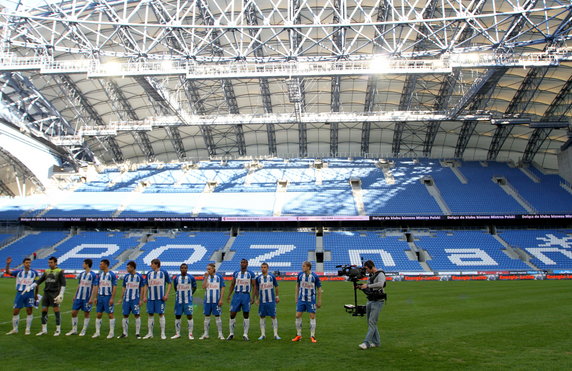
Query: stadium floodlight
{"type": "Point", "coordinates": [549, 124]}
{"type": "Point", "coordinates": [380, 64]}
{"type": "Point", "coordinates": [112, 68]}
{"type": "Point", "coordinates": [510, 121]}
{"type": "Point", "coordinates": [467, 59]}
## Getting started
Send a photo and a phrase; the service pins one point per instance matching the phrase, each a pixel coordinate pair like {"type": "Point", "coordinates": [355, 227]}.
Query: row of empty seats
{"type": "Point", "coordinates": [435, 250]}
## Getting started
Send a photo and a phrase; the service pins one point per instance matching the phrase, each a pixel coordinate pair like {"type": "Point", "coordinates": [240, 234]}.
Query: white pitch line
{"type": "Point", "coordinates": [40, 316]}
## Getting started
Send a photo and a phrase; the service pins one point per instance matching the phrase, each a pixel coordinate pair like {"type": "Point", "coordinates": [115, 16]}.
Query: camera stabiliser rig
{"type": "Point", "coordinates": [353, 273]}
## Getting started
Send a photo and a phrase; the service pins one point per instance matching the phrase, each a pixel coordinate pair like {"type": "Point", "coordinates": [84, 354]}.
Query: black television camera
{"type": "Point", "coordinates": [354, 274]}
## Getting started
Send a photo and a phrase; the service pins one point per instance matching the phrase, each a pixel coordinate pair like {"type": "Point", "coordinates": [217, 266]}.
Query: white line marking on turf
{"type": "Point", "coordinates": [40, 316]}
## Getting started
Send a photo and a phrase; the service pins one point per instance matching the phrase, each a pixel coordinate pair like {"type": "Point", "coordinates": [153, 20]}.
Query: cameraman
{"type": "Point", "coordinates": [375, 300]}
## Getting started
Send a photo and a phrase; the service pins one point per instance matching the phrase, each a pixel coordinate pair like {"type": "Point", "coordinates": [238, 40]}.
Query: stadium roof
{"type": "Point", "coordinates": [116, 81]}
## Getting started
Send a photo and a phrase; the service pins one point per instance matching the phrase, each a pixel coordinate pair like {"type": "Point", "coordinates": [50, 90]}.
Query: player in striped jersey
{"type": "Point", "coordinates": [107, 286]}
{"type": "Point", "coordinates": [213, 284]}
{"type": "Point", "coordinates": [185, 286]}
{"type": "Point", "coordinates": [24, 278]}
{"type": "Point", "coordinates": [157, 279]}
{"type": "Point", "coordinates": [266, 293]}
{"type": "Point", "coordinates": [241, 290]}
{"type": "Point", "coordinates": [308, 287]}
{"type": "Point", "coordinates": [132, 296]}
{"type": "Point", "coordinates": [84, 296]}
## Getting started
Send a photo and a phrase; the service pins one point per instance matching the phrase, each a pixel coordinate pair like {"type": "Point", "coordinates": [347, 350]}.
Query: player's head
{"type": "Point", "coordinates": [131, 267]}
{"type": "Point", "coordinates": [211, 268]}
{"type": "Point", "coordinates": [52, 262]}
{"type": "Point", "coordinates": [306, 266]}
{"type": "Point", "coordinates": [104, 264]}
{"type": "Point", "coordinates": [155, 263]}
{"type": "Point", "coordinates": [264, 268]}
{"type": "Point", "coordinates": [243, 264]}
{"type": "Point", "coordinates": [87, 263]}
{"type": "Point", "coordinates": [184, 268]}
{"type": "Point", "coordinates": [27, 263]}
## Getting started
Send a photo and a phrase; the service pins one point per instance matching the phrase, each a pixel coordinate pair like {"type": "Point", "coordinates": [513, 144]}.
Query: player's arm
{"type": "Point", "coordinates": [122, 295]}
{"type": "Point", "coordinates": [221, 296]}
{"type": "Point", "coordinates": [230, 289]}
{"type": "Point", "coordinates": [35, 285]}
{"type": "Point", "coordinates": [193, 285]}
{"type": "Point", "coordinates": [94, 294]}
{"type": "Point", "coordinates": [296, 293]}
{"type": "Point", "coordinates": [62, 281]}
{"type": "Point", "coordinates": [167, 291]}
{"type": "Point", "coordinates": [255, 291]}
{"type": "Point", "coordinates": [276, 290]}
{"type": "Point", "coordinates": [144, 293]}
{"type": "Point", "coordinates": [113, 291]}
{"type": "Point", "coordinates": [205, 281]}
{"type": "Point", "coordinates": [253, 294]}
{"type": "Point", "coordinates": [319, 293]}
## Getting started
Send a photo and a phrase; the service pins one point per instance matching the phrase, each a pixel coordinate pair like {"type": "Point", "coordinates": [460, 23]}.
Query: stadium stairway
{"type": "Point", "coordinates": [226, 253]}
{"type": "Point", "coordinates": [130, 198]}
{"type": "Point", "coordinates": [357, 194]}
{"type": "Point", "coordinates": [44, 253]}
{"type": "Point", "coordinates": [209, 188]}
{"type": "Point", "coordinates": [511, 191]}
{"type": "Point", "coordinates": [129, 254]}
{"type": "Point", "coordinates": [530, 174]}
{"type": "Point", "coordinates": [282, 187]}
{"type": "Point", "coordinates": [436, 194]}
{"type": "Point", "coordinates": [418, 255]}
{"type": "Point", "coordinates": [515, 253]}
{"type": "Point", "coordinates": [567, 187]}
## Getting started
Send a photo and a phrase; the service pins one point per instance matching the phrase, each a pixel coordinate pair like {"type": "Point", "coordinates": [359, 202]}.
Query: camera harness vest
{"type": "Point", "coordinates": [376, 294]}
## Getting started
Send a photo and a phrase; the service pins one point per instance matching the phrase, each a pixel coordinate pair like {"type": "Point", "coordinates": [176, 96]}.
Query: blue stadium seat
{"type": "Point", "coordinates": [195, 249]}
{"type": "Point", "coordinates": [549, 249]}
{"type": "Point", "coordinates": [352, 247]}
{"type": "Point", "coordinates": [26, 246]}
{"type": "Point", "coordinates": [467, 251]}
{"type": "Point", "coordinates": [283, 251]}
{"type": "Point", "coordinates": [93, 245]}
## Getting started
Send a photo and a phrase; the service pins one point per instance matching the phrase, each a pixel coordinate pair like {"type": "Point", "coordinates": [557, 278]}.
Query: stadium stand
{"type": "Point", "coordinates": [548, 249]}
{"type": "Point", "coordinates": [30, 243]}
{"type": "Point", "coordinates": [480, 195]}
{"type": "Point", "coordinates": [195, 249]}
{"type": "Point", "coordinates": [406, 196]}
{"type": "Point", "coordinates": [467, 250]}
{"type": "Point", "coordinates": [93, 245]}
{"type": "Point", "coordinates": [313, 187]}
{"type": "Point", "coordinates": [283, 251]}
{"type": "Point", "coordinates": [355, 247]}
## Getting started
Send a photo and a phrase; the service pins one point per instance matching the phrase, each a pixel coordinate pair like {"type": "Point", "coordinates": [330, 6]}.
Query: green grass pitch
{"type": "Point", "coordinates": [425, 325]}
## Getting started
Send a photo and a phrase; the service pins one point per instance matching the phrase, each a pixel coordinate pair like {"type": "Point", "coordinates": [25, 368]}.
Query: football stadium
{"type": "Point", "coordinates": [244, 159]}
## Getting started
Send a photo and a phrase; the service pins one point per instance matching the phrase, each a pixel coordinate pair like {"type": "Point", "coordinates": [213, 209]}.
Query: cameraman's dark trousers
{"type": "Point", "coordinates": [373, 307]}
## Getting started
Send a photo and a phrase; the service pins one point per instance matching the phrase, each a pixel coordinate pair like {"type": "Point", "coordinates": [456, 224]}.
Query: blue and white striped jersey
{"type": "Point", "coordinates": [133, 284]}
{"type": "Point", "coordinates": [215, 284]}
{"type": "Point", "coordinates": [308, 284]}
{"type": "Point", "coordinates": [24, 278]}
{"type": "Point", "coordinates": [106, 281]}
{"type": "Point", "coordinates": [243, 281]}
{"type": "Point", "coordinates": [184, 286]}
{"type": "Point", "coordinates": [156, 282]}
{"type": "Point", "coordinates": [86, 281]}
{"type": "Point", "coordinates": [266, 285]}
